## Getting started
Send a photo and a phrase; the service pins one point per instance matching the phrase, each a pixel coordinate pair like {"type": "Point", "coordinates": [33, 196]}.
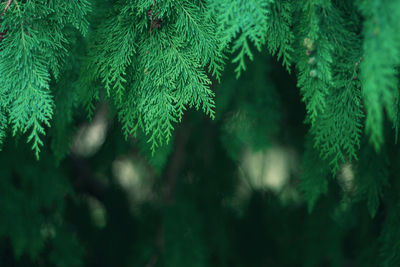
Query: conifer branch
{"type": "Point", "coordinates": [8, 4]}
{"type": "Point", "coordinates": [379, 72]}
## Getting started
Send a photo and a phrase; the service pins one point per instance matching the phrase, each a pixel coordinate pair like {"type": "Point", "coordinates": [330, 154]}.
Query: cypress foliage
{"type": "Point", "coordinates": [152, 63]}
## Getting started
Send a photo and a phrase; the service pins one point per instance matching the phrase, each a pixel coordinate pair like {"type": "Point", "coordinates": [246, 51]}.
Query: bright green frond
{"type": "Point", "coordinates": [241, 22]}
{"type": "Point", "coordinates": [379, 66]}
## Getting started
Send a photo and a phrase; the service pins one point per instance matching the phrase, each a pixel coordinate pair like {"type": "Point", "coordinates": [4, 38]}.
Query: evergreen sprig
{"type": "Point", "coordinates": [379, 67]}
{"type": "Point", "coordinates": [154, 59]}
{"type": "Point", "coordinates": [315, 57]}
{"type": "Point", "coordinates": [151, 60]}
{"type": "Point", "coordinates": [280, 36]}
{"type": "Point", "coordinates": [241, 22]}
{"type": "Point", "coordinates": [33, 49]}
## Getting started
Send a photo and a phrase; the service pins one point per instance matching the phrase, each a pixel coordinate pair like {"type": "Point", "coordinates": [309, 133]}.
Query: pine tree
{"type": "Point", "coordinates": [249, 66]}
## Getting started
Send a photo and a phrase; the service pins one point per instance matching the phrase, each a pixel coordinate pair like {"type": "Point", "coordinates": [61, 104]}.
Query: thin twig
{"type": "Point", "coordinates": [8, 4]}
{"type": "Point", "coordinates": [356, 66]}
{"type": "Point", "coordinates": [334, 37]}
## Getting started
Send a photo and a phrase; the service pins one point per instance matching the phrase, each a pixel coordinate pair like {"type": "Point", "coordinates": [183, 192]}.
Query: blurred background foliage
{"type": "Point", "coordinates": [221, 193]}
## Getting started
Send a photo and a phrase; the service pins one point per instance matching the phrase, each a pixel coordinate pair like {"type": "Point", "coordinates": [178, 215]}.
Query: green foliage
{"type": "Point", "coordinates": [371, 178]}
{"type": "Point", "coordinates": [280, 37]}
{"type": "Point", "coordinates": [165, 64]}
{"type": "Point", "coordinates": [313, 181]}
{"type": "Point", "coordinates": [151, 62]}
{"type": "Point", "coordinates": [152, 59]}
{"type": "Point", "coordinates": [338, 129]}
{"type": "Point", "coordinates": [380, 62]}
{"type": "Point", "coordinates": [315, 56]}
{"type": "Point", "coordinates": [33, 48]}
{"type": "Point", "coordinates": [31, 202]}
{"type": "Point", "coordinates": [241, 21]}
{"type": "Point", "coordinates": [243, 128]}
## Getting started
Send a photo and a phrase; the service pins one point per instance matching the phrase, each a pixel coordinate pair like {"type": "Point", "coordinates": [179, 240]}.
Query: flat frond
{"type": "Point", "coordinates": [379, 73]}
